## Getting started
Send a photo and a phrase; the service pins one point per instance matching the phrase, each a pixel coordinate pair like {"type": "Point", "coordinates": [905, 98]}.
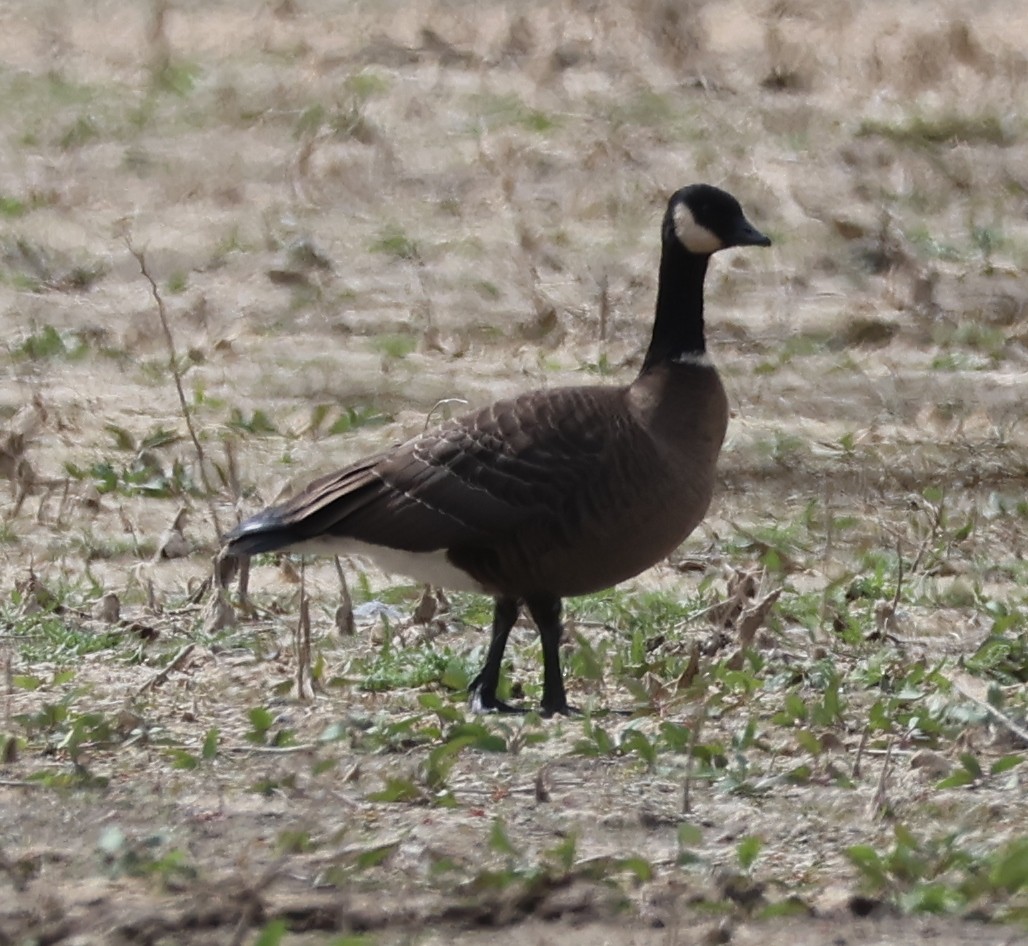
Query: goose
{"type": "Point", "coordinates": [553, 493]}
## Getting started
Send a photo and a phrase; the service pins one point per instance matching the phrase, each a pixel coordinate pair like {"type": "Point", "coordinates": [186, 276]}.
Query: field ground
{"type": "Point", "coordinates": [357, 215]}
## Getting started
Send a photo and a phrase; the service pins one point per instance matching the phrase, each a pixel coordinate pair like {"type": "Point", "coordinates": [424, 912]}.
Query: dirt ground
{"type": "Point", "coordinates": [359, 217]}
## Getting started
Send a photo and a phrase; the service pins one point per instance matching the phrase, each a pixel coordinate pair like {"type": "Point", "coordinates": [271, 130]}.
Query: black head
{"type": "Point", "coordinates": [705, 219]}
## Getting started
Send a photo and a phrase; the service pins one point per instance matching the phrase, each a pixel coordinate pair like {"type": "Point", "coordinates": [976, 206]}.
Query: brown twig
{"type": "Point", "coordinates": [604, 307]}
{"type": "Point", "coordinates": [864, 737]}
{"type": "Point", "coordinates": [8, 663]}
{"type": "Point", "coordinates": [690, 762]}
{"type": "Point", "coordinates": [345, 623]}
{"type": "Point", "coordinates": [899, 573]}
{"type": "Point", "coordinates": [169, 340]}
{"type": "Point", "coordinates": [302, 641]}
{"type": "Point", "coordinates": [176, 663]}
{"type": "Point", "coordinates": [880, 803]}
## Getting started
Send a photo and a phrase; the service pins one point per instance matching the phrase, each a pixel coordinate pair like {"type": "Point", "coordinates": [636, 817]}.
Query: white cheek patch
{"type": "Point", "coordinates": [693, 236]}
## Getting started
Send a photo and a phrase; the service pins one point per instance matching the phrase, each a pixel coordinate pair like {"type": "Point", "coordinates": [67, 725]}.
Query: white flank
{"type": "Point", "coordinates": [693, 236]}
{"type": "Point", "coordinates": [432, 568]}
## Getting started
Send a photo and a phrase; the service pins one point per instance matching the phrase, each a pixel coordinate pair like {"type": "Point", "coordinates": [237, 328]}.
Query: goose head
{"type": "Point", "coordinates": [705, 219]}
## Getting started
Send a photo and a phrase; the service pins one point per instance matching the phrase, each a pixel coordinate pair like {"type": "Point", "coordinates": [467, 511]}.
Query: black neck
{"type": "Point", "coordinates": [678, 328]}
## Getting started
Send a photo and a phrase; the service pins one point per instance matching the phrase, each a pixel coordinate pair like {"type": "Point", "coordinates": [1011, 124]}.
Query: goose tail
{"type": "Point", "coordinates": [264, 532]}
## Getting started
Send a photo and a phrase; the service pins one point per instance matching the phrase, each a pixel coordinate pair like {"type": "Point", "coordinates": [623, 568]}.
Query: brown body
{"type": "Point", "coordinates": [560, 492]}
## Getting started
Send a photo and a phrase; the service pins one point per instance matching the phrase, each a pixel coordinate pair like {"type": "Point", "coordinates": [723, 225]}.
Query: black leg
{"type": "Point", "coordinates": [545, 612]}
{"type": "Point", "coordinates": [482, 690]}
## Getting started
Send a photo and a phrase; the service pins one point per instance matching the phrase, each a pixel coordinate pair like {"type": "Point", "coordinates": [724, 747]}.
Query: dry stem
{"type": "Point", "coordinates": [169, 341]}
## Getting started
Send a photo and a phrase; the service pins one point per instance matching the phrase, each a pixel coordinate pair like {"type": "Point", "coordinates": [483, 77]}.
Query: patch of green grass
{"type": "Point", "coordinates": [36, 268]}
{"type": "Point", "coordinates": [346, 420]}
{"type": "Point", "coordinates": [257, 423]}
{"type": "Point", "coordinates": [145, 857]}
{"type": "Point", "coordinates": [923, 130]}
{"type": "Point", "coordinates": [103, 548]}
{"type": "Point", "coordinates": [959, 361]}
{"type": "Point", "coordinates": [487, 290]}
{"type": "Point", "coordinates": [177, 283]}
{"type": "Point", "coordinates": [631, 611]}
{"type": "Point", "coordinates": [58, 638]}
{"type": "Point", "coordinates": [930, 247]}
{"type": "Point", "coordinates": [468, 608]}
{"type": "Point", "coordinates": [1004, 654]}
{"type": "Point", "coordinates": [394, 345]}
{"type": "Point", "coordinates": [341, 121]}
{"type": "Point", "coordinates": [80, 131]}
{"type": "Point", "coordinates": [974, 335]}
{"type": "Point", "coordinates": [942, 873]}
{"type": "Point", "coordinates": [49, 343]}
{"type": "Point", "coordinates": [367, 84]}
{"type": "Point", "coordinates": [500, 110]}
{"type": "Point", "coordinates": [178, 78]}
{"type": "Point", "coordinates": [11, 207]}
{"type": "Point", "coordinates": [645, 107]}
{"type": "Point", "coordinates": [394, 241]}
{"type": "Point", "coordinates": [399, 668]}
{"type": "Point", "coordinates": [145, 475]}
{"type": "Point", "coordinates": [602, 367]}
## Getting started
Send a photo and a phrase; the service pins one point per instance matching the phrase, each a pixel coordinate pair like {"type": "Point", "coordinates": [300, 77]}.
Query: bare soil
{"type": "Point", "coordinates": [357, 216]}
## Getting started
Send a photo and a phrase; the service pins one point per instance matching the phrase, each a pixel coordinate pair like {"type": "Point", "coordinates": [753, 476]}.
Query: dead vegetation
{"type": "Point", "coordinates": [351, 218]}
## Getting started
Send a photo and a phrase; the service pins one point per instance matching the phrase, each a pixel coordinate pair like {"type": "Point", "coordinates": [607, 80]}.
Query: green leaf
{"type": "Point", "coordinates": [958, 779]}
{"type": "Point", "coordinates": [476, 736]}
{"type": "Point", "coordinates": [261, 719]}
{"type": "Point", "coordinates": [865, 858]}
{"type": "Point", "coordinates": [397, 790]}
{"type": "Point", "coordinates": [272, 934]}
{"type": "Point", "coordinates": [24, 681]}
{"type": "Point", "coordinates": [930, 898]}
{"type": "Point", "coordinates": [158, 438]}
{"type": "Point", "coordinates": [318, 414]}
{"type": "Point", "coordinates": [210, 745]}
{"type": "Point", "coordinates": [375, 855]}
{"type": "Point", "coordinates": [800, 775]}
{"type": "Point", "coordinates": [689, 833]}
{"type": "Point", "coordinates": [971, 764]}
{"type": "Point", "coordinates": [123, 440]}
{"type": "Point", "coordinates": [1010, 872]}
{"type": "Point", "coordinates": [635, 741]}
{"type": "Point", "coordinates": [499, 840]}
{"type": "Point", "coordinates": [564, 852]}
{"type": "Point", "coordinates": [455, 676]}
{"type": "Point", "coordinates": [675, 737]}
{"type": "Point", "coordinates": [641, 868]}
{"type": "Point", "coordinates": [180, 759]}
{"type": "Point", "coordinates": [878, 717]}
{"type": "Point", "coordinates": [795, 706]}
{"type": "Point", "coordinates": [1005, 764]}
{"type": "Point", "coordinates": [791, 906]}
{"type": "Point", "coordinates": [808, 741]}
{"type": "Point", "coordinates": [747, 850]}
